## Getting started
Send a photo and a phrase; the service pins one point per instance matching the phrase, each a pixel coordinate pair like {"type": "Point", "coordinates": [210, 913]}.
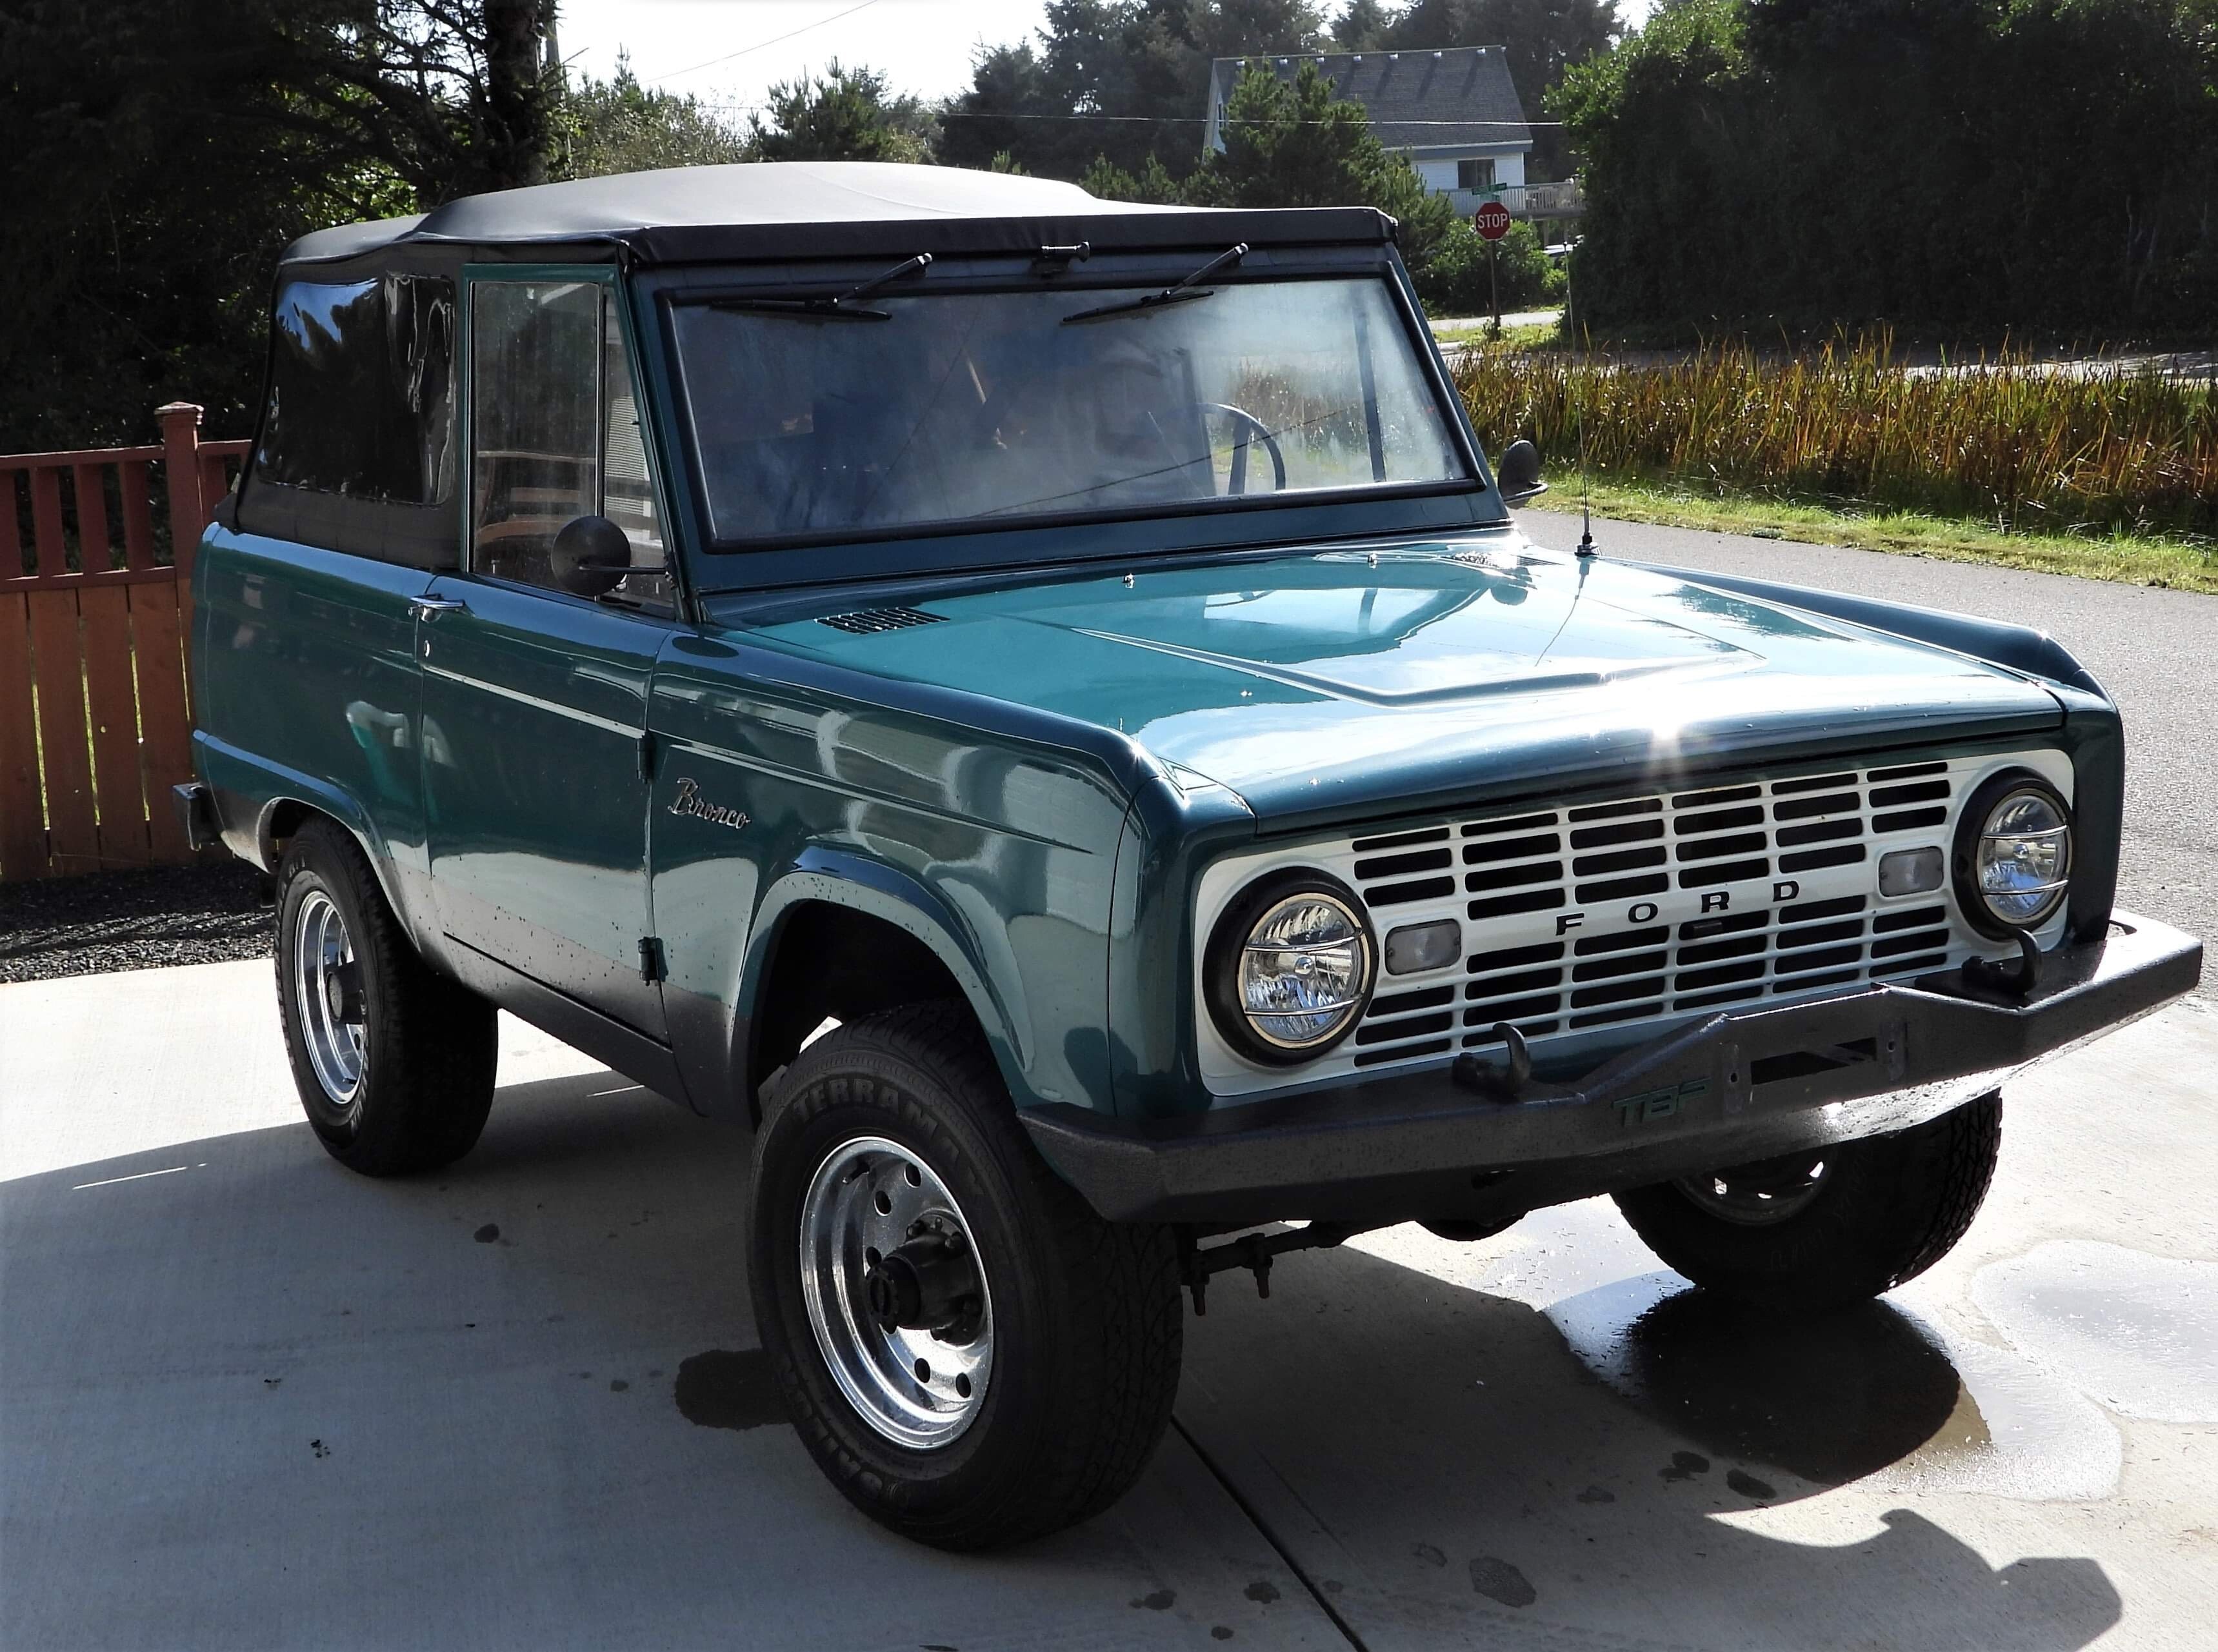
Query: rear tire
{"type": "Point", "coordinates": [1881, 1211]}
{"type": "Point", "coordinates": [1066, 1339]}
{"type": "Point", "coordinates": [394, 1063]}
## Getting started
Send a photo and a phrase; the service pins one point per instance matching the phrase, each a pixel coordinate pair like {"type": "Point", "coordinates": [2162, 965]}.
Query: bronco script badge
{"type": "Point", "coordinates": [689, 801]}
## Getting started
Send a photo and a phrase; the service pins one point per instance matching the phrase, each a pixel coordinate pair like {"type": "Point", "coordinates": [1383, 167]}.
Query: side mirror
{"type": "Point", "coordinates": [589, 557]}
{"type": "Point", "coordinates": [1518, 472]}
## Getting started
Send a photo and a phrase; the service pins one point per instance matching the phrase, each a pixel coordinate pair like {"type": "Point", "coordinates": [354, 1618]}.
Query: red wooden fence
{"type": "Point", "coordinates": [95, 609]}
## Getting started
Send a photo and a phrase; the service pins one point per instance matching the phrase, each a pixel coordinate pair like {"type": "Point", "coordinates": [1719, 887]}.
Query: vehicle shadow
{"type": "Point", "coordinates": [1675, 1474]}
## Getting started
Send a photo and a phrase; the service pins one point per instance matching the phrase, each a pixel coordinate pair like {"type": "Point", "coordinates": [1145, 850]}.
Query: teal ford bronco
{"type": "Point", "coordinates": [1037, 708]}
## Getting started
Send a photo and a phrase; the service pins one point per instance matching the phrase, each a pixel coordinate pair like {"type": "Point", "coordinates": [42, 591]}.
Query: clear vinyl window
{"type": "Point", "coordinates": [361, 390]}
{"type": "Point", "coordinates": [555, 435]}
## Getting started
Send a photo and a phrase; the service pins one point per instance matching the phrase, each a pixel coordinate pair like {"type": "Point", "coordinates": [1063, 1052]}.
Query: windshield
{"type": "Point", "coordinates": [920, 409]}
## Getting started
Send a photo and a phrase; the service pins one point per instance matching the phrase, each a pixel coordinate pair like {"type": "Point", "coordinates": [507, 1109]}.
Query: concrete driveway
{"type": "Point", "coordinates": [248, 1399]}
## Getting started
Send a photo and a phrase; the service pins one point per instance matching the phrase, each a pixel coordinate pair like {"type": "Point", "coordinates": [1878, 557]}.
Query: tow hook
{"type": "Point", "coordinates": [929, 1284]}
{"type": "Point", "coordinates": [2019, 978]}
{"type": "Point", "coordinates": [1503, 1083]}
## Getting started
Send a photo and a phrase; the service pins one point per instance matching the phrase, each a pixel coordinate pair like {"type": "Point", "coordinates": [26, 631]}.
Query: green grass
{"type": "Point", "coordinates": [2133, 560]}
{"type": "Point", "coordinates": [1471, 333]}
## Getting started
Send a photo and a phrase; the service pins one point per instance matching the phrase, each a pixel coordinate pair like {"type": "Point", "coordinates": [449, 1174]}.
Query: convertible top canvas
{"type": "Point", "coordinates": [827, 209]}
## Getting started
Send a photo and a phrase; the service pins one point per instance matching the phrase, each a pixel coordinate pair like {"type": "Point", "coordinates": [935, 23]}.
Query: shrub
{"type": "Point", "coordinates": [1454, 281]}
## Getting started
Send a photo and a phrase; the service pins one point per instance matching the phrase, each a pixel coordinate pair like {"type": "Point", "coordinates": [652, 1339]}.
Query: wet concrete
{"type": "Point", "coordinates": [1829, 1401]}
{"type": "Point", "coordinates": [2136, 1331]}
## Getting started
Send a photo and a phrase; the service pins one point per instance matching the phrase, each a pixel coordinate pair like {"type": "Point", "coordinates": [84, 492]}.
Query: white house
{"type": "Point", "coordinates": [1454, 112]}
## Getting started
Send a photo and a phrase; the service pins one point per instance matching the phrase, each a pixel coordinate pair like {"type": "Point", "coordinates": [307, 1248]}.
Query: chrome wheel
{"type": "Point", "coordinates": [328, 997]}
{"type": "Point", "coordinates": [894, 1292]}
{"type": "Point", "coordinates": [1756, 1195]}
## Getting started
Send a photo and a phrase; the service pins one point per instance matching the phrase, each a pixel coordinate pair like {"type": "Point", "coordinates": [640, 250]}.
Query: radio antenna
{"type": "Point", "coordinates": [1578, 399]}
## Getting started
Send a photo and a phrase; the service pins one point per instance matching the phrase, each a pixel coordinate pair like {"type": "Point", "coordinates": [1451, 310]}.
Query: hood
{"type": "Point", "coordinates": [1329, 683]}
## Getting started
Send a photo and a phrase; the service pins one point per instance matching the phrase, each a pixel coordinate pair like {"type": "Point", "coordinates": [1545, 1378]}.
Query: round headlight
{"type": "Point", "coordinates": [1290, 968]}
{"type": "Point", "coordinates": [2013, 854]}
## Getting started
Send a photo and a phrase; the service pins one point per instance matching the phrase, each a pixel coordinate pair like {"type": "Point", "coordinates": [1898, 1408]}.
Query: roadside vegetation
{"type": "Point", "coordinates": [1959, 167]}
{"type": "Point", "coordinates": [2112, 471]}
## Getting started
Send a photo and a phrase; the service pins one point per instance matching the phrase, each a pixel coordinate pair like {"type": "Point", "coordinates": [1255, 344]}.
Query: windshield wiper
{"type": "Point", "coordinates": [841, 307]}
{"type": "Point", "coordinates": [1176, 292]}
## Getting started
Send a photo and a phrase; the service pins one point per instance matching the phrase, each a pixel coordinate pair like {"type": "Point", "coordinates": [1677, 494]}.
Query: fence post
{"type": "Point", "coordinates": [181, 467]}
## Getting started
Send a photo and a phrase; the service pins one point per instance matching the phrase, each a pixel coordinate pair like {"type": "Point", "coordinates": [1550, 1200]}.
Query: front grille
{"type": "Point", "coordinates": [1594, 918]}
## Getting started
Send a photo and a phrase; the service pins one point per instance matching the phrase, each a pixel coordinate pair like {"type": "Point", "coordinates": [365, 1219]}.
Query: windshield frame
{"type": "Point", "coordinates": [1453, 503]}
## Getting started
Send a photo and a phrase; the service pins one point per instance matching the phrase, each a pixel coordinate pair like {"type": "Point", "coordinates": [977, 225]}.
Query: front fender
{"type": "Point", "coordinates": [974, 947]}
{"type": "Point", "coordinates": [860, 884]}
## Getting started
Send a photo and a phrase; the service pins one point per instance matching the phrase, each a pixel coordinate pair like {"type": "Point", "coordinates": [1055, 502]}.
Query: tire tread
{"type": "Point", "coordinates": [1118, 1285]}
{"type": "Point", "coordinates": [436, 1062]}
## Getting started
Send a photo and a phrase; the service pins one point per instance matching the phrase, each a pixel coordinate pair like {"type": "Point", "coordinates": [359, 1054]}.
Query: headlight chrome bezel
{"type": "Point", "coordinates": [1241, 916]}
{"type": "Point", "coordinates": [1976, 824]}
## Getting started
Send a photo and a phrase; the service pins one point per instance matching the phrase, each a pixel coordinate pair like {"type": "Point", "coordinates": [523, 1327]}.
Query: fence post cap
{"type": "Point", "coordinates": [170, 409]}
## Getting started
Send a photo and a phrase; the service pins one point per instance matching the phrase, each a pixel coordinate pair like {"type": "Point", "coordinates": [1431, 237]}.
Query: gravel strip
{"type": "Point", "coordinates": [133, 920]}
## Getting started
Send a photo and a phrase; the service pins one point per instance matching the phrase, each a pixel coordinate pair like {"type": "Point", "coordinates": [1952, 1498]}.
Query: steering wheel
{"type": "Point", "coordinates": [1236, 483]}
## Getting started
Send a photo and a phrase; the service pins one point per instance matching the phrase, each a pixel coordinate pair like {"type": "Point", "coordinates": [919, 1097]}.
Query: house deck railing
{"type": "Point", "coordinates": [1561, 200]}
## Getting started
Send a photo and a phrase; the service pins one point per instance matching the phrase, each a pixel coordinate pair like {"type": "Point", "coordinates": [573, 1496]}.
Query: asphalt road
{"type": "Point", "coordinates": [2155, 651]}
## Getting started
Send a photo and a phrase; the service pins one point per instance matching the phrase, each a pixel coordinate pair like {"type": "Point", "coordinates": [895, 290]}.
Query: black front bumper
{"type": "Point", "coordinates": [1736, 1087]}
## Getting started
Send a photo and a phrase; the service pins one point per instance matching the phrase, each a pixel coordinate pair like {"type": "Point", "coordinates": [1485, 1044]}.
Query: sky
{"type": "Point", "coordinates": [731, 52]}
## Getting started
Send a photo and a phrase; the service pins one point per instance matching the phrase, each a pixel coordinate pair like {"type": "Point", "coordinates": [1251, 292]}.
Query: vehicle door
{"type": "Point", "coordinates": [535, 679]}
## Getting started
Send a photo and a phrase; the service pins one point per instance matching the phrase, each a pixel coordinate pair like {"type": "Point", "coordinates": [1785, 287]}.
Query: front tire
{"type": "Point", "coordinates": [972, 1355]}
{"type": "Point", "coordinates": [1821, 1229]}
{"type": "Point", "coordinates": [394, 1063]}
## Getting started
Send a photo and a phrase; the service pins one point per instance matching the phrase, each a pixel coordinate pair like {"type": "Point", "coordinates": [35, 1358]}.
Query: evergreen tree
{"type": "Point", "coordinates": [1293, 144]}
{"type": "Point", "coordinates": [1361, 28]}
{"type": "Point", "coordinates": [1120, 78]}
{"type": "Point", "coordinates": [619, 126]}
{"type": "Point", "coordinates": [846, 114]}
{"type": "Point", "coordinates": [1829, 162]}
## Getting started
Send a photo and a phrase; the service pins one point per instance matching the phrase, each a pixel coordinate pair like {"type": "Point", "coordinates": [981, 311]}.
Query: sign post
{"type": "Point", "coordinates": [1492, 223]}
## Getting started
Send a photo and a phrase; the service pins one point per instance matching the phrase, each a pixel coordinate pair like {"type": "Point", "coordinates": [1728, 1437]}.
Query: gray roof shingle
{"type": "Point", "coordinates": [1459, 95]}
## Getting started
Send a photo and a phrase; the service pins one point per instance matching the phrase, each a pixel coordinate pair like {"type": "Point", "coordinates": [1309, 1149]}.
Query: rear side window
{"type": "Point", "coordinates": [361, 400]}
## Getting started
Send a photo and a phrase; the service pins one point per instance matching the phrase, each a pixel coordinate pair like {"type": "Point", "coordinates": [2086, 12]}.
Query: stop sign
{"type": "Point", "coordinates": [1492, 221]}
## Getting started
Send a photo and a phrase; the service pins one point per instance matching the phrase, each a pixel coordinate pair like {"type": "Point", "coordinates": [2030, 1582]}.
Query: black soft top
{"type": "Point", "coordinates": [802, 209]}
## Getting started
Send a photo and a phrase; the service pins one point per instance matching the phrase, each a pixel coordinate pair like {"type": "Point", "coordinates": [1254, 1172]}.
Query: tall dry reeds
{"type": "Point", "coordinates": [2024, 448]}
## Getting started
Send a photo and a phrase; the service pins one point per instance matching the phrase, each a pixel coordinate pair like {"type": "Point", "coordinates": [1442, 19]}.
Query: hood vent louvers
{"type": "Point", "coordinates": [867, 621]}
